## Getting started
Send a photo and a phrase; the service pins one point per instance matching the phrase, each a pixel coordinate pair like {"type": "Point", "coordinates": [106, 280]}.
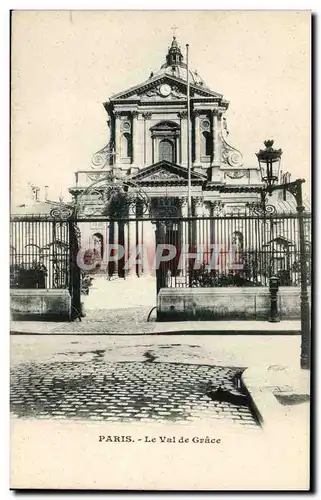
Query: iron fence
{"type": "Point", "coordinates": [39, 253]}
{"type": "Point", "coordinates": [233, 250]}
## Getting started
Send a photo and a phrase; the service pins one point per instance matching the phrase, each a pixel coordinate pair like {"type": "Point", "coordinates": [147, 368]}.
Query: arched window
{"type": "Point", "coordinates": [166, 151]}
{"type": "Point", "coordinates": [126, 146]}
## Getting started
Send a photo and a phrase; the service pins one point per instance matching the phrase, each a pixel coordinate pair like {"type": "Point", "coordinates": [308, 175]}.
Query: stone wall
{"type": "Point", "coordinates": [179, 304]}
{"type": "Point", "coordinates": [40, 304]}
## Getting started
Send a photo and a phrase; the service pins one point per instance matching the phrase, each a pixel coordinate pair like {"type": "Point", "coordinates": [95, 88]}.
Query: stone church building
{"type": "Point", "coordinates": [148, 141]}
{"type": "Point", "coordinates": [148, 149]}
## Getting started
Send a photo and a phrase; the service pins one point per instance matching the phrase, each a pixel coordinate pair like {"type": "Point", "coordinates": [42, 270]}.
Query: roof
{"type": "Point", "coordinates": [34, 208]}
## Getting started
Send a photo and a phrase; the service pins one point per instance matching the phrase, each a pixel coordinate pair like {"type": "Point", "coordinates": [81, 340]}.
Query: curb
{"type": "Point", "coordinates": [263, 403]}
{"type": "Point", "coordinates": [167, 332]}
{"type": "Point", "coordinates": [261, 393]}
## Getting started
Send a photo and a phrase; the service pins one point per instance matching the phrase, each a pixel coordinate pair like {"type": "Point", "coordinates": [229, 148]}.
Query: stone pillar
{"type": "Point", "coordinates": [117, 137]}
{"type": "Point", "coordinates": [113, 239]}
{"type": "Point", "coordinates": [140, 240]}
{"type": "Point", "coordinates": [183, 138]}
{"type": "Point", "coordinates": [197, 224]}
{"type": "Point", "coordinates": [199, 210]}
{"type": "Point", "coordinates": [184, 232]}
{"type": "Point", "coordinates": [177, 149]}
{"type": "Point", "coordinates": [131, 238]}
{"type": "Point", "coordinates": [137, 141]}
{"type": "Point", "coordinates": [141, 237]}
{"type": "Point", "coordinates": [207, 231]}
{"type": "Point", "coordinates": [148, 149]}
{"type": "Point", "coordinates": [197, 138]}
{"type": "Point", "coordinates": [217, 128]}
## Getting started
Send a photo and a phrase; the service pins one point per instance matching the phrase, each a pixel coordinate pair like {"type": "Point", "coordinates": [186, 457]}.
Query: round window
{"type": "Point", "coordinates": [126, 126]}
{"type": "Point", "coordinates": [206, 124]}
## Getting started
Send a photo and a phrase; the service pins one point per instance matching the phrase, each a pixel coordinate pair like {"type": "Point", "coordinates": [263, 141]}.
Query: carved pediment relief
{"type": "Point", "coordinates": [163, 172]}
{"type": "Point", "coordinates": [162, 175]}
{"type": "Point", "coordinates": [163, 88]}
{"type": "Point", "coordinates": [163, 91]}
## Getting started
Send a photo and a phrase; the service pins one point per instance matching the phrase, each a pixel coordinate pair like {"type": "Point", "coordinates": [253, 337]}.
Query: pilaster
{"type": "Point", "coordinates": [148, 146]}
{"type": "Point", "coordinates": [117, 116]}
{"type": "Point", "coordinates": [184, 232]}
{"type": "Point", "coordinates": [136, 139]}
{"type": "Point", "coordinates": [217, 128]}
{"type": "Point", "coordinates": [183, 138]}
{"type": "Point", "coordinates": [197, 137]}
{"type": "Point", "coordinates": [146, 139]}
{"type": "Point", "coordinates": [131, 238]}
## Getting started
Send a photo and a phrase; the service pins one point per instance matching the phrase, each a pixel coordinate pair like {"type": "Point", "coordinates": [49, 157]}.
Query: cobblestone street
{"type": "Point", "coordinates": [125, 391]}
{"type": "Point", "coordinates": [137, 378]}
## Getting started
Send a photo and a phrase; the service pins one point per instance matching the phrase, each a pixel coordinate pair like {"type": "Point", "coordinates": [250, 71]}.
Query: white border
{"type": "Point", "coordinates": [314, 6]}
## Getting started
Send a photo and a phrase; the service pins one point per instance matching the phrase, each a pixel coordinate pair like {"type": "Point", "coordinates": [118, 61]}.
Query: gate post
{"type": "Point", "coordinates": [75, 272]}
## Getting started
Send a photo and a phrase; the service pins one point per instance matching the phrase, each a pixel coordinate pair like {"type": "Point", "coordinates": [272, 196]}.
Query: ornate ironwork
{"type": "Point", "coordinates": [217, 208]}
{"type": "Point", "coordinates": [112, 196]}
{"type": "Point", "coordinates": [62, 212]}
{"type": "Point", "coordinates": [260, 209]}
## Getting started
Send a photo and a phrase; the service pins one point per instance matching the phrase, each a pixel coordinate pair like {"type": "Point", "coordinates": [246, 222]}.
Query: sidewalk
{"type": "Point", "coordinates": [133, 321]}
{"type": "Point", "coordinates": [280, 393]}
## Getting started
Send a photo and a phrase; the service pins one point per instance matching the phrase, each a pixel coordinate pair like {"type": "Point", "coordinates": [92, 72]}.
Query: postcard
{"type": "Point", "coordinates": [160, 250]}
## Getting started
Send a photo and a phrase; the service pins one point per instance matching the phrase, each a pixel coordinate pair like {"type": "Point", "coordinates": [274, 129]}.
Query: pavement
{"type": "Point", "coordinates": [279, 394]}
{"type": "Point", "coordinates": [133, 321]}
{"type": "Point", "coordinates": [120, 374]}
{"type": "Point", "coordinates": [269, 366]}
{"type": "Point", "coordinates": [71, 389]}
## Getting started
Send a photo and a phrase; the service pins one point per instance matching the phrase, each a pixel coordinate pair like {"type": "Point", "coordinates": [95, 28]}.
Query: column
{"type": "Point", "coordinates": [198, 230]}
{"type": "Point", "coordinates": [106, 252]}
{"type": "Point", "coordinates": [116, 242]}
{"type": "Point", "coordinates": [131, 238]}
{"type": "Point", "coordinates": [197, 128]}
{"type": "Point", "coordinates": [141, 237]}
{"type": "Point", "coordinates": [137, 139]}
{"type": "Point", "coordinates": [199, 213]}
{"type": "Point", "coordinates": [146, 139]}
{"type": "Point", "coordinates": [183, 138]}
{"type": "Point", "coordinates": [184, 233]}
{"type": "Point", "coordinates": [139, 240]}
{"type": "Point", "coordinates": [207, 231]}
{"type": "Point", "coordinates": [117, 137]}
{"type": "Point", "coordinates": [217, 115]}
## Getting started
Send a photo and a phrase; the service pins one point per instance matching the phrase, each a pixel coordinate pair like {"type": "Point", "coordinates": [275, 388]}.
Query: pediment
{"type": "Point", "coordinates": [164, 88]}
{"type": "Point", "coordinates": [165, 172]}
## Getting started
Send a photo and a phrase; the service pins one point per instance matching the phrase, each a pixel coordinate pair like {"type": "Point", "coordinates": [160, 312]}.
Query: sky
{"type": "Point", "coordinates": [65, 64]}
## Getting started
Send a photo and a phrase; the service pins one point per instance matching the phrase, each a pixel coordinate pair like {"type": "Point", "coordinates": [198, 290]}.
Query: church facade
{"type": "Point", "coordinates": [148, 141]}
{"type": "Point", "coordinates": [148, 149]}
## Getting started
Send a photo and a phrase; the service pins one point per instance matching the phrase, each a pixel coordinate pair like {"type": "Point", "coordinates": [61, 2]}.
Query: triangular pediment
{"type": "Point", "coordinates": [280, 240]}
{"type": "Point", "coordinates": [165, 172]}
{"type": "Point", "coordinates": [164, 88]}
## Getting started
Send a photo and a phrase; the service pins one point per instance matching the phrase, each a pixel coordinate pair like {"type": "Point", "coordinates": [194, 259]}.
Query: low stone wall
{"type": "Point", "coordinates": [40, 304]}
{"type": "Point", "coordinates": [180, 304]}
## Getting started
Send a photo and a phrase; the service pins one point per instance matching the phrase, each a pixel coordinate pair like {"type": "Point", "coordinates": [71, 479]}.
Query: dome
{"type": "Point", "coordinates": [174, 66]}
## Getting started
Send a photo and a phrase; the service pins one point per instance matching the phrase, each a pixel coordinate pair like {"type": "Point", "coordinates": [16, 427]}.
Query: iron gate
{"type": "Point", "coordinates": [234, 250]}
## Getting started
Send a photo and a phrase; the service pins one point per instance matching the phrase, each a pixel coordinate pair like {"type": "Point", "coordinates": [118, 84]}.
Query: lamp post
{"type": "Point", "coordinates": [269, 161]}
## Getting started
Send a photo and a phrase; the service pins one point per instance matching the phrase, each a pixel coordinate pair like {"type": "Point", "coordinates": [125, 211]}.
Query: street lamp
{"type": "Point", "coordinates": [269, 162]}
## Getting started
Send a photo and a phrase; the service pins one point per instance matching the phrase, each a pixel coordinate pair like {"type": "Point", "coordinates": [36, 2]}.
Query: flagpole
{"type": "Point", "coordinates": [189, 142]}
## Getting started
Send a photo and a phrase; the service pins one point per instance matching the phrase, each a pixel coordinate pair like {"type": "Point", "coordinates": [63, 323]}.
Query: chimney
{"type": "Point", "coordinates": [34, 192]}
{"type": "Point", "coordinates": [46, 193]}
